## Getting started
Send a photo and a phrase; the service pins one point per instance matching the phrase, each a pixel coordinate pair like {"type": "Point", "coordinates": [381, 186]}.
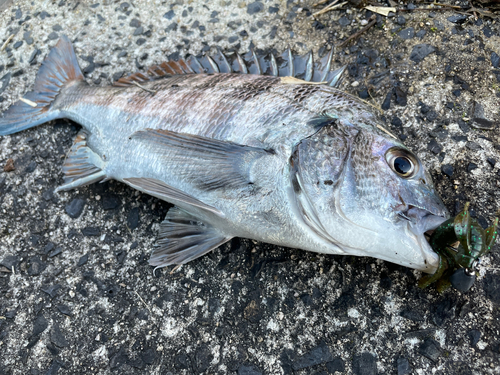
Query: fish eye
{"type": "Point", "coordinates": [402, 162]}
{"type": "Point", "coordinates": [402, 165]}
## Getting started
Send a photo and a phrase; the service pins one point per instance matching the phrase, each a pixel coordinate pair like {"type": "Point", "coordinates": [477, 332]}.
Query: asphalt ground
{"type": "Point", "coordinates": [77, 295]}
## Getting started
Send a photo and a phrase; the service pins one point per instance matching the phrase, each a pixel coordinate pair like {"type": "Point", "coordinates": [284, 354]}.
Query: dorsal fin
{"type": "Point", "coordinates": [286, 65]}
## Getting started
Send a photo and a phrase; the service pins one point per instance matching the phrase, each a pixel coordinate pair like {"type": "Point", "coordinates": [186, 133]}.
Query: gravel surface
{"type": "Point", "coordinates": [76, 292]}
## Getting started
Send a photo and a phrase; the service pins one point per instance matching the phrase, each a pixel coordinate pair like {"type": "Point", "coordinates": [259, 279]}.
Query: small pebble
{"type": "Point", "coordinates": [255, 7]}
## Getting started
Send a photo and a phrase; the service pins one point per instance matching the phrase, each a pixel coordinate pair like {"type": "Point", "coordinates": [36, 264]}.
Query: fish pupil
{"type": "Point", "coordinates": [402, 165]}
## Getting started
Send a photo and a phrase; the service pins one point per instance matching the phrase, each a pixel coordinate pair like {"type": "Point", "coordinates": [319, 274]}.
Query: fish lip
{"type": "Point", "coordinates": [421, 221]}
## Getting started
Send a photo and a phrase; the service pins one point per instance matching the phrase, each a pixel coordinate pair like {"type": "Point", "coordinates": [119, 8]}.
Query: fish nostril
{"type": "Point", "coordinates": [423, 181]}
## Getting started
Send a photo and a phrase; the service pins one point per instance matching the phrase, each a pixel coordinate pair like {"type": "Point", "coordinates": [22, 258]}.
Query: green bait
{"type": "Point", "coordinates": [459, 242]}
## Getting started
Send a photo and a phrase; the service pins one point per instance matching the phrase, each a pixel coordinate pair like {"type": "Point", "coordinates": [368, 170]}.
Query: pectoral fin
{"type": "Point", "coordinates": [207, 163]}
{"type": "Point", "coordinates": [183, 238]}
{"type": "Point", "coordinates": [159, 189]}
{"type": "Point", "coordinates": [82, 165]}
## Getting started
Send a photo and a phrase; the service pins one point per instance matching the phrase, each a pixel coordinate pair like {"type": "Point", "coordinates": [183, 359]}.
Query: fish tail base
{"type": "Point", "coordinates": [36, 107]}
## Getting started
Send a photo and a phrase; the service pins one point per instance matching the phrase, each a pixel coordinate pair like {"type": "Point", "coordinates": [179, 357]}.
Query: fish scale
{"type": "Point", "coordinates": [243, 148]}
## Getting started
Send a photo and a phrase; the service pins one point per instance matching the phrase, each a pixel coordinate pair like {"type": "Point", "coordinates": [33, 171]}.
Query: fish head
{"type": "Point", "coordinates": [366, 193]}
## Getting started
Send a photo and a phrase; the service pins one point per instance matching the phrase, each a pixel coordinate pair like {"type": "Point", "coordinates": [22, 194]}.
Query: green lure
{"type": "Point", "coordinates": [459, 242]}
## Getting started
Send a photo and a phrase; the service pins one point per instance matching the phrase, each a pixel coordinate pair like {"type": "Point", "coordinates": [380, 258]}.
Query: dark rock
{"type": "Point", "coordinates": [135, 23]}
{"type": "Point", "coordinates": [421, 33]}
{"type": "Point", "coordinates": [447, 169]}
{"type": "Point", "coordinates": [5, 82]}
{"type": "Point", "coordinates": [403, 366]}
{"type": "Point", "coordinates": [17, 44]}
{"type": "Point", "coordinates": [63, 309]}
{"type": "Point", "coordinates": [443, 311]}
{"type": "Point", "coordinates": [364, 364]}
{"type": "Point", "coordinates": [430, 349]}
{"type": "Point", "coordinates": [401, 96]}
{"type": "Point", "coordinates": [363, 94]}
{"type": "Point", "coordinates": [434, 147]}
{"type": "Point", "coordinates": [10, 261]}
{"type": "Point", "coordinates": [344, 21]}
{"type": "Point", "coordinates": [110, 202]}
{"type": "Point", "coordinates": [473, 146]}
{"type": "Point", "coordinates": [487, 32]}
{"type": "Point", "coordinates": [273, 10]}
{"type": "Point", "coordinates": [83, 259]}
{"type": "Point", "coordinates": [40, 324]}
{"type": "Point", "coordinates": [27, 37]}
{"type": "Point", "coordinates": [400, 20]}
{"type": "Point", "coordinates": [248, 370]}
{"type": "Point", "coordinates": [75, 208]}
{"type": "Point", "coordinates": [118, 75]}
{"type": "Point", "coordinates": [169, 15]}
{"type": "Point", "coordinates": [491, 162]}
{"type": "Point", "coordinates": [413, 315]}
{"type": "Point", "coordinates": [54, 368]}
{"type": "Point", "coordinates": [118, 359]}
{"type": "Point", "coordinates": [474, 336]}
{"type": "Point", "coordinates": [36, 266]}
{"type": "Point", "coordinates": [492, 287]}
{"type": "Point", "coordinates": [138, 31]}
{"type": "Point", "coordinates": [57, 337]}
{"type": "Point", "coordinates": [133, 218]}
{"type": "Point", "coordinates": [386, 104]}
{"type": "Point", "coordinates": [406, 34]}
{"type": "Point", "coordinates": [336, 365]}
{"type": "Point", "coordinates": [53, 35]}
{"type": "Point", "coordinates": [458, 18]}
{"type": "Point", "coordinates": [463, 126]}
{"type": "Point", "coordinates": [255, 7]}
{"type": "Point", "coordinates": [431, 115]}
{"type": "Point", "coordinates": [10, 314]}
{"type": "Point", "coordinates": [202, 359]}
{"type": "Point", "coordinates": [319, 354]}
{"type": "Point", "coordinates": [396, 121]}
{"type": "Point", "coordinates": [420, 52]}
{"type": "Point", "coordinates": [457, 92]}
{"type": "Point", "coordinates": [471, 167]}
{"type": "Point", "coordinates": [140, 41]}
{"type": "Point", "coordinates": [91, 231]}
{"type": "Point", "coordinates": [51, 290]}
{"type": "Point", "coordinates": [44, 14]}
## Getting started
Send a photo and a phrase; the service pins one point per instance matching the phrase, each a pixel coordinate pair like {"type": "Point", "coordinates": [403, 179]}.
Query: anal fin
{"type": "Point", "coordinates": [82, 165]}
{"type": "Point", "coordinates": [183, 238]}
{"type": "Point", "coordinates": [159, 189]}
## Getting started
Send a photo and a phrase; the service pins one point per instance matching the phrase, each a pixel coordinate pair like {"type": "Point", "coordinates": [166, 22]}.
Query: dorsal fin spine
{"type": "Point", "coordinates": [318, 72]}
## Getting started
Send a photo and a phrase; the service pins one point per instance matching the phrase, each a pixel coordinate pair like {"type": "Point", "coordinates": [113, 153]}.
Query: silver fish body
{"type": "Point", "coordinates": [241, 155]}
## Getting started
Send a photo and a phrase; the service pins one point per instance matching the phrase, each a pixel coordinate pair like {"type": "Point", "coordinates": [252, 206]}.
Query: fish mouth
{"type": "Point", "coordinates": [422, 224]}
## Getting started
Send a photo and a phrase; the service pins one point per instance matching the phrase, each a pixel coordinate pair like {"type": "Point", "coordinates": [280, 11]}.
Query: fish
{"type": "Point", "coordinates": [255, 147]}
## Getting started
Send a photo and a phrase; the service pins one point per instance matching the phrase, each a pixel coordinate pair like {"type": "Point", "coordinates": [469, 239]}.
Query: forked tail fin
{"type": "Point", "coordinates": [35, 108]}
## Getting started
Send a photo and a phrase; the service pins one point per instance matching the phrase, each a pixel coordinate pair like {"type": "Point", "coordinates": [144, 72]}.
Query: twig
{"type": "Point", "coordinates": [145, 304]}
{"type": "Point", "coordinates": [322, 2]}
{"type": "Point", "coordinates": [373, 19]}
{"type": "Point", "coordinates": [330, 7]}
{"type": "Point", "coordinates": [7, 42]}
{"type": "Point", "coordinates": [444, 5]}
{"type": "Point", "coordinates": [144, 88]}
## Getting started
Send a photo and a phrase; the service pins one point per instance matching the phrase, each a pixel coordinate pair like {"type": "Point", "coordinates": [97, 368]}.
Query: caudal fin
{"type": "Point", "coordinates": [35, 108]}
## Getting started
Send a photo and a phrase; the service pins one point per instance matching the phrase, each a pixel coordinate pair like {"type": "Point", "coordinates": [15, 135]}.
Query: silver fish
{"type": "Point", "coordinates": [265, 155]}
